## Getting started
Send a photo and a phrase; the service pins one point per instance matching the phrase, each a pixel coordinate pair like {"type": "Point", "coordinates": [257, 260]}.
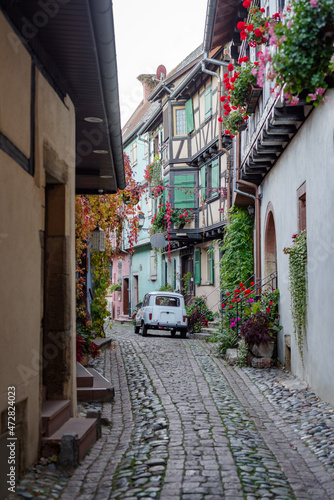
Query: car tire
{"type": "Point", "coordinates": [183, 333]}
{"type": "Point", "coordinates": [136, 329]}
{"type": "Point", "coordinates": [173, 333]}
{"type": "Point", "coordinates": [144, 330]}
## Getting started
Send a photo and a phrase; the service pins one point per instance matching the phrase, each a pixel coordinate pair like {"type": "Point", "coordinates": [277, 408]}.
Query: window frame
{"type": "Point", "coordinates": [175, 109]}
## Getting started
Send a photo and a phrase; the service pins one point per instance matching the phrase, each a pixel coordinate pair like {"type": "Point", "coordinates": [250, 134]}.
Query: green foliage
{"type": "Point", "coordinates": [234, 121]}
{"type": "Point", "coordinates": [246, 77]}
{"type": "Point", "coordinates": [198, 314]}
{"type": "Point", "coordinates": [242, 353]}
{"type": "Point", "coordinates": [237, 261]}
{"type": "Point", "coordinates": [298, 285]}
{"type": "Point", "coordinates": [226, 338]}
{"type": "Point", "coordinates": [256, 329]}
{"type": "Point", "coordinates": [101, 282]}
{"type": "Point", "coordinates": [305, 47]}
{"type": "Point", "coordinates": [186, 279]}
{"type": "Point", "coordinates": [85, 345]}
{"type": "Point", "coordinates": [166, 288]}
{"type": "Point", "coordinates": [164, 214]}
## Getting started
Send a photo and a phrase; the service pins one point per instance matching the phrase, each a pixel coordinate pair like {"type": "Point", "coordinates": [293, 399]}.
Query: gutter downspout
{"type": "Point", "coordinates": [256, 198]}
{"type": "Point", "coordinates": [212, 73]}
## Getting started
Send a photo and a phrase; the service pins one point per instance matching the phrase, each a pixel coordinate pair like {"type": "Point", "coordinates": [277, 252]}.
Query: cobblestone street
{"type": "Point", "coordinates": [185, 425]}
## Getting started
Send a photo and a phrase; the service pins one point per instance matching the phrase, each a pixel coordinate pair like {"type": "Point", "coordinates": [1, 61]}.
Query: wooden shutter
{"type": "Point", "coordinates": [165, 193]}
{"type": "Point", "coordinates": [208, 102]}
{"type": "Point", "coordinates": [184, 193]}
{"type": "Point", "coordinates": [165, 117]}
{"type": "Point", "coordinates": [174, 274]}
{"type": "Point", "coordinates": [211, 265]}
{"type": "Point", "coordinates": [203, 182]}
{"type": "Point", "coordinates": [189, 116]}
{"type": "Point", "coordinates": [215, 174]}
{"type": "Point", "coordinates": [197, 266]}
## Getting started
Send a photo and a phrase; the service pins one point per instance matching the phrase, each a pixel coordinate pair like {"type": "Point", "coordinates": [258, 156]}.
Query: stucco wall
{"type": "Point", "coordinates": [310, 158]}
{"type": "Point", "coordinates": [22, 224]}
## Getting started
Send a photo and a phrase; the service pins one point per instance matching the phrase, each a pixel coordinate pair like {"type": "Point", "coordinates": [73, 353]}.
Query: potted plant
{"type": "Point", "coordinates": [303, 39]}
{"type": "Point", "coordinates": [255, 31]}
{"type": "Point", "coordinates": [235, 122]}
{"type": "Point", "coordinates": [85, 345]}
{"type": "Point", "coordinates": [258, 335]}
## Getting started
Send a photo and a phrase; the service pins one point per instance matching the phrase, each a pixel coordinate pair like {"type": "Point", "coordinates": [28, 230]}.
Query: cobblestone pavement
{"type": "Point", "coordinates": [185, 425]}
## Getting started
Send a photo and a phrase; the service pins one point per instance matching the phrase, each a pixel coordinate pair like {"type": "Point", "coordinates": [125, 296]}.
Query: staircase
{"type": "Point", "coordinates": [206, 332]}
{"type": "Point", "coordinates": [91, 386]}
{"type": "Point", "coordinates": [56, 422]}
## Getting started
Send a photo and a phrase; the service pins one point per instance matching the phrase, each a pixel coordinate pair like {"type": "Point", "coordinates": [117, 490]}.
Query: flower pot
{"type": "Point", "coordinates": [263, 350]}
{"type": "Point", "coordinates": [84, 360]}
{"type": "Point", "coordinates": [252, 98]}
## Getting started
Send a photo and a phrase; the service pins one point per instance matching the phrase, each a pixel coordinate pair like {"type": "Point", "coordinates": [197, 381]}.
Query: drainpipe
{"type": "Point", "coordinates": [256, 198]}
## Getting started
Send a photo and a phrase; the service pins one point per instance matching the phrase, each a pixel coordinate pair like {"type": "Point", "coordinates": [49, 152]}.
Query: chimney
{"type": "Point", "coordinates": [149, 83]}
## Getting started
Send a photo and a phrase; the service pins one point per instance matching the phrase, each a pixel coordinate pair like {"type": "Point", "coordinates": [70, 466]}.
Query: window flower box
{"type": "Point", "coordinates": [253, 97]}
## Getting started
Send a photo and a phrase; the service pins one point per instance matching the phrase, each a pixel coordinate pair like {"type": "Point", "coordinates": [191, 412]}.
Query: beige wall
{"type": "Point", "coordinates": [22, 224]}
{"type": "Point", "coordinates": [211, 292]}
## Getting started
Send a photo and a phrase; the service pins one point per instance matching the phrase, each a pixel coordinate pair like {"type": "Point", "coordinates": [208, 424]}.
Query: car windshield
{"type": "Point", "coordinates": [162, 300]}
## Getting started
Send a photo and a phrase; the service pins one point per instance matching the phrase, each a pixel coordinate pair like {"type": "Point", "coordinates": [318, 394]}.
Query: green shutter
{"type": "Point", "coordinates": [215, 174]}
{"type": "Point", "coordinates": [189, 116]}
{"type": "Point", "coordinates": [197, 266]}
{"type": "Point", "coordinates": [211, 265]}
{"type": "Point", "coordinates": [203, 182]}
{"type": "Point", "coordinates": [165, 193]}
{"type": "Point", "coordinates": [184, 193]}
{"type": "Point", "coordinates": [208, 102]}
{"type": "Point", "coordinates": [174, 274]}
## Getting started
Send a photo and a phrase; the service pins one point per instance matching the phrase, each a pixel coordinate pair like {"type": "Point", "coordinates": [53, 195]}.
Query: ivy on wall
{"type": "Point", "coordinates": [237, 263]}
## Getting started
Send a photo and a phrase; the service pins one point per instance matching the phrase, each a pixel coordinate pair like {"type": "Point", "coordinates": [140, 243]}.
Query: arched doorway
{"type": "Point", "coordinates": [270, 253]}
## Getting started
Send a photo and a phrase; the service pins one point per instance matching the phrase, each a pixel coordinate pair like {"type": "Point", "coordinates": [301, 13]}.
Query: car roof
{"type": "Point", "coordinates": [167, 294]}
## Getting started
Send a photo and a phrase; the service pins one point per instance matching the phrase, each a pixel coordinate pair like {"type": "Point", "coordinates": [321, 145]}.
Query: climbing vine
{"type": "Point", "coordinates": [237, 262]}
{"type": "Point", "coordinates": [115, 217]}
{"type": "Point", "coordinates": [298, 285]}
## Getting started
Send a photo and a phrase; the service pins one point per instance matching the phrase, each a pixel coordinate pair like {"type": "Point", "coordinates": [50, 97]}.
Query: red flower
{"type": "Point", "coordinates": [250, 28]}
{"type": "Point", "coordinates": [220, 119]}
{"type": "Point", "coordinates": [243, 35]}
{"type": "Point", "coordinates": [252, 283]}
{"type": "Point", "coordinates": [271, 303]}
{"type": "Point", "coordinates": [247, 291]}
{"type": "Point", "coordinates": [256, 63]}
{"type": "Point", "coordinates": [246, 59]}
{"type": "Point", "coordinates": [241, 25]}
{"type": "Point", "coordinates": [236, 290]}
{"type": "Point", "coordinates": [226, 113]}
{"type": "Point", "coordinates": [268, 310]}
{"type": "Point", "coordinates": [230, 67]}
{"type": "Point", "coordinates": [258, 32]}
{"type": "Point", "coordinates": [223, 97]}
{"type": "Point", "coordinates": [225, 75]}
{"type": "Point", "coordinates": [233, 300]}
{"type": "Point", "coordinates": [227, 132]}
{"type": "Point", "coordinates": [223, 305]}
{"type": "Point", "coordinates": [246, 4]}
{"type": "Point", "coordinates": [227, 293]}
{"type": "Point", "coordinates": [241, 285]}
{"type": "Point", "coordinates": [230, 307]}
{"type": "Point", "coordinates": [262, 10]}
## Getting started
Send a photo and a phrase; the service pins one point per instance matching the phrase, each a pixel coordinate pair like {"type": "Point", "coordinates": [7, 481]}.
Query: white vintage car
{"type": "Point", "coordinates": [162, 311]}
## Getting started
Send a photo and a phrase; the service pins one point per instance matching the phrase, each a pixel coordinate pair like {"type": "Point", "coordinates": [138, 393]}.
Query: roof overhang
{"type": "Point", "coordinates": [74, 45]}
{"type": "Point", "coordinates": [220, 22]}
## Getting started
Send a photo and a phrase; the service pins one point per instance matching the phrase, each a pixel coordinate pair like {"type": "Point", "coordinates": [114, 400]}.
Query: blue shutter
{"type": "Point", "coordinates": [211, 265]}
{"type": "Point", "coordinates": [215, 174]}
{"type": "Point", "coordinates": [203, 182]}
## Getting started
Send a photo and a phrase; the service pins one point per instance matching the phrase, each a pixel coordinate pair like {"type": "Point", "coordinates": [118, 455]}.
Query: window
{"type": "Point", "coordinates": [133, 153]}
{"type": "Point", "coordinates": [210, 266]}
{"type": "Point", "coordinates": [184, 192]}
{"type": "Point", "coordinates": [210, 180]}
{"type": "Point", "coordinates": [197, 266]}
{"type": "Point", "coordinates": [301, 193]}
{"type": "Point", "coordinates": [163, 300]}
{"type": "Point", "coordinates": [189, 116]}
{"type": "Point", "coordinates": [208, 101]}
{"type": "Point", "coordinates": [180, 121]}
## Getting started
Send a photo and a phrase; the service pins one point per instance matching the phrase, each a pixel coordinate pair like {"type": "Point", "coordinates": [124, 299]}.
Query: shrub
{"type": "Point", "coordinates": [256, 329]}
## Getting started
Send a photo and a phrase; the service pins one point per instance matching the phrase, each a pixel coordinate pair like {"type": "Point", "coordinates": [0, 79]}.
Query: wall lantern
{"type": "Point", "coordinates": [141, 220]}
{"type": "Point", "coordinates": [98, 240]}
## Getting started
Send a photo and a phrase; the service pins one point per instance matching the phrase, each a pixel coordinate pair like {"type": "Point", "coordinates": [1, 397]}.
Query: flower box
{"type": "Point", "coordinates": [252, 98]}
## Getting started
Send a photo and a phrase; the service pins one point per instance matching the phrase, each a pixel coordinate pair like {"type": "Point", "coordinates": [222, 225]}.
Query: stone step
{"type": "Point", "coordinates": [54, 414]}
{"type": "Point", "coordinates": [85, 428]}
{"type": "Point", "coordinates": [101, 390]}
{"type": "Point", "coordinates": [102, 343]}
{"type": "Point", "coordinates": [84, 377]}
{"type": "Point", "coordinates": [209, 330]}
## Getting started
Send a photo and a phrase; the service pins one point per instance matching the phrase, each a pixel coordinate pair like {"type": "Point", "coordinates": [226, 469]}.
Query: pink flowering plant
{"type": "Point", "coordinates": [303, 39]}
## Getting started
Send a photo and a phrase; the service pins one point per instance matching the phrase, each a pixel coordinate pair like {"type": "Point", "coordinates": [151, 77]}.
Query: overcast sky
{"type": "Point", "coordinates": [149, 33]}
